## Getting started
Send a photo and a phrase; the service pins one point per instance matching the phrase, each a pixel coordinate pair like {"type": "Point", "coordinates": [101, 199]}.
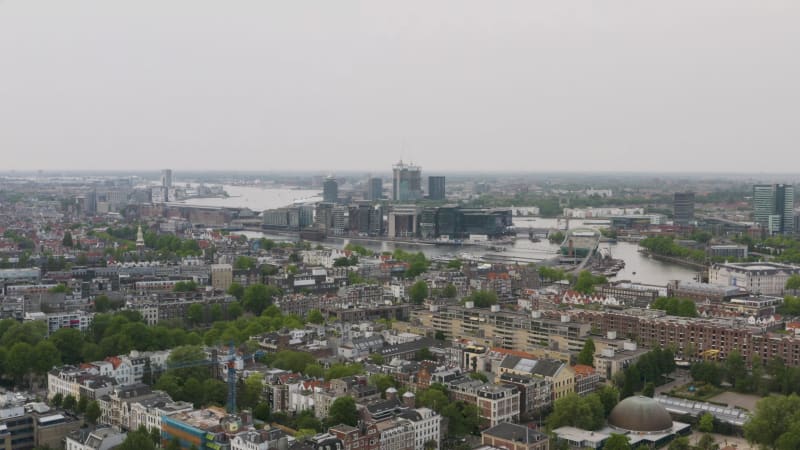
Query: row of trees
{"type": "Point", "coordinates": [774, 376]}
{"type": "Point", "coordinates": [649, 371]}
{"type": "Point", "coordinates": [673, 306]}
{"type": "Point", "coordinates": [588, 412]}
{"type": "Point", "coordinates": [666, 246]}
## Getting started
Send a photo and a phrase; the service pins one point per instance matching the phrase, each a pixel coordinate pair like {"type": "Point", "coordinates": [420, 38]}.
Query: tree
{"type": "Point", "coordinates": [707, 442]}
{"type": "Point", "coordinates": [609, 396]}
{"type": "Point", "coordinates": [316, 317]}
{"type": "Point", "coordinates": [195, 313]}
{"type": "Point", "coordinates": [251, 392]}
{"type": "Point", "coordinates": [47, 357]}
{"type": "Point", "coordinates": [20, 361]}
{"type": "Point", "coordinates": [343, 410]}
{"type": "Point", "coordinates": [793, 283]}
{"type": "Point", "coordinates": [258, 297]}
{"type": "Point", "coordinates": [382, 382]}
{"type": "Point", "coordinates": [706, 423]}
{"type": "Point", "coordinates": [244, 263]}
{"type": "Point", "coordinates": [57, 400]}
{"type": "Point", "coordinates": [424, 355]}
{"type": "Point", "coordinates": [680, 443]}
{"type": "Point", "coordinates": [418, 292]}
{"type": "Point", "coordinates": [83, 402]}
{"type": "Point", "coordinates": [236, 290]}
{"type": "Point", "coordinates": [586, 356]}
{"type": "Point", "coordinates": [586, 412]}
{"type": "Point", "coordinates": [586, 282]}
{"type": "Point", "coordinates": [450, 291]}
{"type": "Point", "coordinates": [376, 358]}
{"type": "Point", "coordinates": [481, 299]}
{"type": "Point", "coordinates": [617, 442]}
{"type": "Point", "coordinates": [262, 411]}
{"type": "Point", "coordinates": [235, 310]}
{"type": "Point", "coordinates": [102, 304]}
{"type": "Point", "coordinates": [92, 412]}
{"type": "Point", "coordinates": [649, 389]}
{"type": "Point", "coordinates": [435, 397]}
{"type": "Point", "coordinates": [137, 440]}
{"type": "Point", "coordinates": [775, 422]}
{"type": "Point", "coordinates": [69, 403]}
{"type": "Point", "coordinates": [736, 370]}
{"type": "Point", "coordinates": [67, 240]}
{"type": "Point", "coordinates": [479, 376]}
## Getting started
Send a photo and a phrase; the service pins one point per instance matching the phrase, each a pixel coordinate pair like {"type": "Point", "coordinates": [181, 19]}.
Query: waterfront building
{"type": "Point", "coordinates": [374, 188]}
{"type": "Point", "coordinates": [764, 278]}
{"type": "Point", "coordinates": [406, 182]}
{"type": "Point", "coordinates": [436, 190]}
{"type": "Point", "coordinates": [773, 208]}
{"type": "Point", "coordinates": [330, 190]}
{"type": "Point", "coordinates": [683, 208]}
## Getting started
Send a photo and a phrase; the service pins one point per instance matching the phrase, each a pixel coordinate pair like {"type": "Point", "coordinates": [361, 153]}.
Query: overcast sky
{"type": "Point", "coordinates": [635, 85]}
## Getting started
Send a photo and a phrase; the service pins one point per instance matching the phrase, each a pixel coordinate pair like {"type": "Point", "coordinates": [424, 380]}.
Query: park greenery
{"type": "Point", "coordinates": [585, 282]}
{"type": "Point", "coordinates": [417, 263]}
{"type": "Point", "coordinates": [652, 367]}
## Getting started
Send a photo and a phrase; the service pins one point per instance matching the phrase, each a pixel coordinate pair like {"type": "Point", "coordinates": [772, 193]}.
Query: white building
{"type": "Point", "coordinates": [79, 320]}
{"type": "Point", "coordinates": [426, 425]}
{"type": "Point", "coordinates": [99, 439]}
{"type": "Point", "coordinates": [763, 278]}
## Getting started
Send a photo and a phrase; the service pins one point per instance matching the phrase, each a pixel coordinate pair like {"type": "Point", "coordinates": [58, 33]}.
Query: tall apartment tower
{"type": "Point", "coordinates": [375, 188]}
{"type": "Point", "coordinates": [436, 188]}
{"type": "Point", "coordinates": [406, 182]}
{"type": "Point", "coordinates": [683, 208]}
{"type": "Point", "coordinates": [773, 208]}
{"type": "Point", "coordinates": [330, 190]}
{"type": "Point", "coordinates": [166, 184]}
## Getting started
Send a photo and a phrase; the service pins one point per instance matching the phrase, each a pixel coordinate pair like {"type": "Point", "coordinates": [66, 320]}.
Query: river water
{"type": "Point", "coordinates": [638, 268]}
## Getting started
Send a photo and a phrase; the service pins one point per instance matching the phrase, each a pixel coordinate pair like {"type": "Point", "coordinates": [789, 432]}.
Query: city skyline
{"type": "Point", "coordinates": [546, 87]}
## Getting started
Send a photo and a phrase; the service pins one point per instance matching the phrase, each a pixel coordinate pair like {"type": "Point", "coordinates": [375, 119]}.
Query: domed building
{"type": "Point", "coordinates": [640, 414]}
{"type": "Point", "coordinates": [643, 419]}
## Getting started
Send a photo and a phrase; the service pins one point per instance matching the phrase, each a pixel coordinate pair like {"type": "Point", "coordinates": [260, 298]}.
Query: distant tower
{"type": "Point", "coordinates": [436, 188]}
{"type": "Point", "coordinates": [330, 190]}
{"type": "Point", "coordinates": [375, 188]}
{"type": "Point", "coordinates": [139, 239]}
{"type": "Point", "coordinates": [773, 208]}
{"type": "Point", "coordinates": [166, 183]}
{"type": "Point", "coordinates": [406, 182]}
{"type": "Point", "coordinates": [683, 208]}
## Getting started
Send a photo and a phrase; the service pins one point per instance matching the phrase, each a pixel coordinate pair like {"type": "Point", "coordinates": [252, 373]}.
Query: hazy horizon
{"type": "Point", "coordinates": [518, 87]}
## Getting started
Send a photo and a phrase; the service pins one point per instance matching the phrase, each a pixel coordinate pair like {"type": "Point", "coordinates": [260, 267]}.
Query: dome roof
{"type": "Point", "coordinates": [640, 414]}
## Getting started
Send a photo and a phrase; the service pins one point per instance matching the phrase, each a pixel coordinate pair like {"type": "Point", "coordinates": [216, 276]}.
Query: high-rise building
{"type": "Point", "coordinates": [683, 208]}
{"type": "Point", "coordinates": [406, 182]}
{"type": "Point", "coordinates": [773, 208]}
{"type": "Point", "coordinates": [166, 178]}
{"type": "Point", "coordinates": [330, 190]}
{"type": "Point", "coordinates": [375, 188]}
{"type": "Point", "coordinates": [436, 188]}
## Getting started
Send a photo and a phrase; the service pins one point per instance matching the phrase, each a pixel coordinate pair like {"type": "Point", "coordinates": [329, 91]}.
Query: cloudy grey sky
{"type": "Point", "coordinates": [529, 85]}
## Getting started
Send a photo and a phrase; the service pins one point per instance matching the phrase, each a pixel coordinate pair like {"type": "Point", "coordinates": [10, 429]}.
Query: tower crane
{"type": "Point", "coordinates": [229, 361]}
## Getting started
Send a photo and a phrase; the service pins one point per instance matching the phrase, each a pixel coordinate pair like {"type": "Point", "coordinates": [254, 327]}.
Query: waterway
{"type": "Point", "coordinates": [638, 267]}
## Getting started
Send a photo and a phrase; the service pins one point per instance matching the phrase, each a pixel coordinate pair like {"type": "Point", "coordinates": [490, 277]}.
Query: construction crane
{"type": "Point", "coordinates": [229, 361]}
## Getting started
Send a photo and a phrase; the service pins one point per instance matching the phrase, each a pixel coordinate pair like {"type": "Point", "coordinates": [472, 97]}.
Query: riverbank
{"type": "Point", "coordinates": [671, 259]}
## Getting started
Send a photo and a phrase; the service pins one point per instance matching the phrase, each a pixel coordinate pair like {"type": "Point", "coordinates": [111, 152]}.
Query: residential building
{"type": "Point", "coordinates": [94, 439]}
{"type": "Point", "coordinates": [511, 436]}
{"type": "Point", "coordinates": [221, 277]}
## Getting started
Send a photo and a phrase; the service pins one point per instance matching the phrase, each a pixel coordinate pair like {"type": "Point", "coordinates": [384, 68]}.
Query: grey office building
{"type": "Point", "coordinates": [436, 188]}
{"type": "Point", "coordinates": [330, 190]}
{"type": "Point", "coordinates": [683, 208]}
{"type": "Point", "coordinates": [773, 208]}
{"type": "Point", "coordinates": [375, 188]}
